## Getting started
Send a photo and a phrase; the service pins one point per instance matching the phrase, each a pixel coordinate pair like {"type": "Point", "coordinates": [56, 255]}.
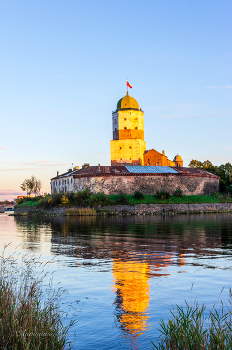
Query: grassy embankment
{"type": "Point", "coordinates": [30, 315]}
{"type": "Point", "coordinates": [191, 328]}
{"type": "Point", "coordinates": [91, 200]}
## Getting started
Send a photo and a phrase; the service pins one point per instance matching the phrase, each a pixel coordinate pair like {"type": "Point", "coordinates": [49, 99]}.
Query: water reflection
{"type": "Point", "coordinates": [136, 250]}
{"type": "Point", "coordinates": [132, 288]}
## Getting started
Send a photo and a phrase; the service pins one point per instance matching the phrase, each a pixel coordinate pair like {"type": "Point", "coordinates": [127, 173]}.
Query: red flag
{"type": "Point", "coordinates": [128, 84]}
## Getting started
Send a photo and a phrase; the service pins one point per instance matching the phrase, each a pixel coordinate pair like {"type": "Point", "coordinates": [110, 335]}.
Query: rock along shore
{"type": "Point", "coordinates": [131, 209]}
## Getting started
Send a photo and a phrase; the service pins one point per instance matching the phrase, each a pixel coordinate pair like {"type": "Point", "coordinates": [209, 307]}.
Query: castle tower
{"type": "Point", "coordinates": [128, 145]}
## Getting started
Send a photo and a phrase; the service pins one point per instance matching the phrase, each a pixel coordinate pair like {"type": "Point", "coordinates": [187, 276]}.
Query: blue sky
{"type": "Point", "coordinates": [64, 66]}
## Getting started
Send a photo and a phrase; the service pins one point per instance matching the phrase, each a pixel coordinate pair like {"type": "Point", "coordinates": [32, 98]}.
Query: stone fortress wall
{"type": "Point", "coordinates": [129, 183]}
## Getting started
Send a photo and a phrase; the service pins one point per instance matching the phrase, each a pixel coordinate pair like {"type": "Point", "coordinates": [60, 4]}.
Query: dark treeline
{"type": "Point", "coordinates": [224, 171]}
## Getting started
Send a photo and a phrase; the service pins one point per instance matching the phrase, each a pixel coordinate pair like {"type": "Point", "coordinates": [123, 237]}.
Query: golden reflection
{"type": "Point", "coordinates": [132, 288]}
{"type": "Point", "coordinates": [131, 284]}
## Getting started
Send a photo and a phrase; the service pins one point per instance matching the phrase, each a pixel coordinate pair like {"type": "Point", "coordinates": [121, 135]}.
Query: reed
{"type": "Point", "coordinates": [81, 212]}
{"type": "Point", "coordinates": [191, 329]}
{"type": "Point", "coordinates": [30, 316]}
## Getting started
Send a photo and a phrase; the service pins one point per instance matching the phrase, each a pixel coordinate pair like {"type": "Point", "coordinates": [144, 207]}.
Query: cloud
{"type": "Point", "coordinates": [17, 169]}
{"type": "Point", "coordinates": [219, 87]}
{"type": "Point", "coordinates": [11, 192]}
{"type": "Point", "coordinates": [2, 147]}
{"type": "Point", "coordinates": [43, 163]}
{"type": "Point", "coordinates": [32, 165]}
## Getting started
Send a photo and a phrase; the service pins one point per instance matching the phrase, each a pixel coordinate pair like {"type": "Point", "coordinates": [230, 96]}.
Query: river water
{"type": "Point", "coordinates": [124, 273]}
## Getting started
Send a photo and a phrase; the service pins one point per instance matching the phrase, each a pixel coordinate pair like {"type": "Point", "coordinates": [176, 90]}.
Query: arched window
{"type": "Point", "coordinates": [115, 129]}
{"type": "Point", "coordinates": [125, 127]}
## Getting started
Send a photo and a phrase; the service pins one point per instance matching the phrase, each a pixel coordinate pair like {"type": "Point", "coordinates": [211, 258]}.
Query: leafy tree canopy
{"type": "Point", "coordinates": [224, 171]}
{"type": "Point", "coordinates": [32, 185]}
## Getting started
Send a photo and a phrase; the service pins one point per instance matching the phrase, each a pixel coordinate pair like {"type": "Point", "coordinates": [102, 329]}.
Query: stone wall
{"type": "Point", "coordinates": [138, 209]}
{"type": "Point", "coordinates": [148, 184]}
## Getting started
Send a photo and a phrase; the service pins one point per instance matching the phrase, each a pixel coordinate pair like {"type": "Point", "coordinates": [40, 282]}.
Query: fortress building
{"type": "Point", "coordinates": [133, 168]}
{"type": "Point", "coordinates": [128, 146]}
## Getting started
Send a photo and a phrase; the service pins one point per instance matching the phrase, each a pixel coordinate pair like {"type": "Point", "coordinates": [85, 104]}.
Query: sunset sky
{"type": "Point", "coordinates": [64, 66]}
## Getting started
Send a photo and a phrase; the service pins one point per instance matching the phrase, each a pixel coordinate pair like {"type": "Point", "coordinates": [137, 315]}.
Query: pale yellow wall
{"type": "Point", "coordinates": [130, 146]}
{"type": "Point", "coordinates": [124, 154]}
{"type": "Point", "coordinates": [133, 119]}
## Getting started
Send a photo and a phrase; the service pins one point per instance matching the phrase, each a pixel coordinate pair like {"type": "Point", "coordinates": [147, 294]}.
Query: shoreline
{"type": "Point", "coordinates": [127, 209]}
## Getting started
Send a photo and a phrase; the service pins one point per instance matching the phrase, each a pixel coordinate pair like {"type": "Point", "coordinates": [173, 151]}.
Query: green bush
{"type": "Point", "coordinates": [138, 195]}
{"type": "Point", "coordinates": [43, 202]}
{"type": "Point", "coordinates": [19, 201]}
{"type": "Point", "coordinates": [98, 199]}
{"type": "Point", "coordinates": [81, 197]}
{"type": "Point", "coordinates": [229, 189]}
{"type": "Point", "coordinates": [163, 194]}
{"type": "Point", "coordinates": [122, 198]}
{"type": "Point", "coordinates": [178, 193]}
{"type": "Point", "coordinates": [56, 199]}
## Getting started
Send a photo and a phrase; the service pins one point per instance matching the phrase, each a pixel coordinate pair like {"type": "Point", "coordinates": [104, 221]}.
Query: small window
{"type": "Point", "coordinates": [120, 158]}
{"type": "Point", "coordinates": [130, 147]}
{"type": "Point", "coordinates": [130, 158]}
{"type": "Point", "coordinates": [136, 128]}
{"type": "Point", "coordinates": [115, 129]}
{"type": "Point", "coordinates": [125, 127]}
{"type": "Point", "coordinates": [115, 120]}
{"type": "Point", "coordinates": [157, 163]}
{"type": "Point", "coordinates": [120, 147]}
{"type": "Point", "coordinates": [148, 160]}
{"type": "Point", "coordinates": [124, 118]}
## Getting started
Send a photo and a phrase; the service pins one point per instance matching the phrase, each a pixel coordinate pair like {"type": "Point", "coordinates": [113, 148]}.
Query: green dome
{"type": "Point", "coordinates": [127, 102]}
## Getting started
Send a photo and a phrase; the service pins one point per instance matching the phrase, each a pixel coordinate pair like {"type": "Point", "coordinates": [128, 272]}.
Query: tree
{"type": "Point", "coordinates": [195, 164]}
{"type": "Point", "coordinates": [207, 165]}
{"type": "Point", "coordinates": [31, 185]}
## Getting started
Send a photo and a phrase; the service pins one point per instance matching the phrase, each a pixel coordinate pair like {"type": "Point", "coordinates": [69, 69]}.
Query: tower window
{"type": "Point", "coordinates": [125, 127]}
{"type": "Point", "coordinates": [124, 118]}
{"type": "Point", "coordinates": [148, 160]}
{"type": "Point", "coordinates": [136, 128]}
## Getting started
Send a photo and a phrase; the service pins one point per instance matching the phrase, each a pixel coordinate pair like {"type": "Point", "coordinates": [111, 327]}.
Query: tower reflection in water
{"type": "Point", "coordinates": [132, 288]}
{"type": "Point", "coordinates": [131, 284]}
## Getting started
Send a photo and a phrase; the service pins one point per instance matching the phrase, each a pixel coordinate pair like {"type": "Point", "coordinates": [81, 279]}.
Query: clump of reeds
{"type": "Point", "coordinates": [30, 316]}
{"type": "Point", "coordinates": [190, 329]}
{"type": "Point", "coordinates": [81, 212]}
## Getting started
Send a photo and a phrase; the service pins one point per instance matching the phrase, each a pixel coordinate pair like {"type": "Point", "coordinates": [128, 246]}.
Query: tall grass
{"type": "Point", "coordinates": [81, 212]}
{"type": "Point", "coordinates": [30, 315]}
{"type": "Point", "coordinates": [190, 329]}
